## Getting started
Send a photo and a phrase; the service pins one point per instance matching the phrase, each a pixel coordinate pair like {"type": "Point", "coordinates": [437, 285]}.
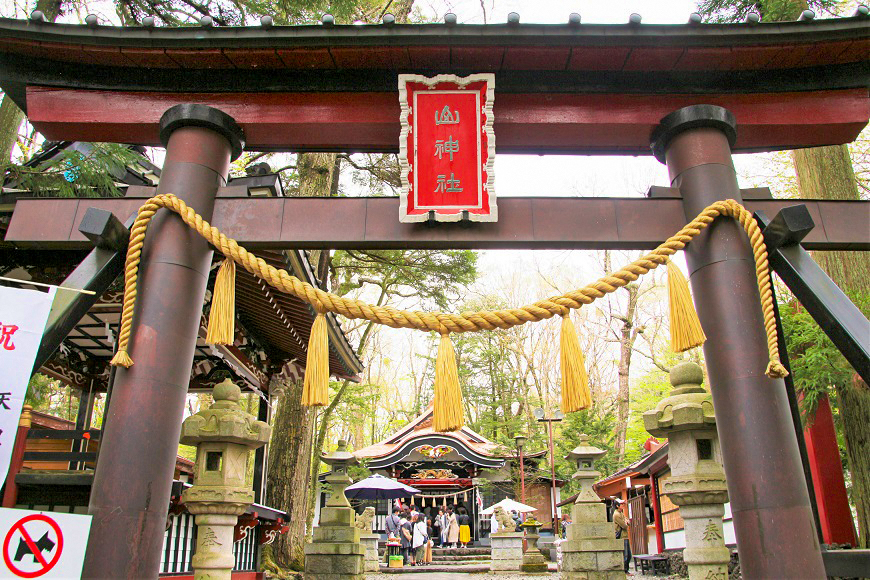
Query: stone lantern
{"type": "Point", "coordinates": [533, 559]}
{"type": "Point", "coordinates": [224, 435]}
{"type": "Point", "coordinates": [336, 550]}
{"type": "Point", "coordinates": [697, 481]}
{"type": "Point", "coordinates": [590, 550]}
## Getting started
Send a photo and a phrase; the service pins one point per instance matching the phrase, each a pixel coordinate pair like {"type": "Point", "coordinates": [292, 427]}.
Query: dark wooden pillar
{"type": "Point", "coordinates": [776, 535]}
{"type": "Point", "coordinates": [130, 494]}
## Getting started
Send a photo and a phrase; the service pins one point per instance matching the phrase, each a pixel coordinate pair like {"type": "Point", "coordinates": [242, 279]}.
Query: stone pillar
{"type": "Point", "coordinates": [133, 478]}
{"type": "Point", "coordinates": [697, 481]}
{"type": "Point", "coordinates": [224, 436]}
{"type": "Point", "coordinates": [369, 541]}
{"type": "Point", "coordinates": [336, 551]}
{"type": "Point", "coordinates": [533, 559]}
{"type": "Point", "coordinates": [506, 551]}
{"type": "Point", "coordinates": [591, 550]}
{"type": "Point", "coordinates": [773, 520]}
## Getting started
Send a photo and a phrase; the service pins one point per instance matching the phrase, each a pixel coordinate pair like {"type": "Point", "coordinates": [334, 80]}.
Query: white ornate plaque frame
{"type": "Point", "coordinates": [487, 163]}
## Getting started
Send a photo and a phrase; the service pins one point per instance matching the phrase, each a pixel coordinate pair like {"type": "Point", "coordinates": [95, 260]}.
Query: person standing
{"type": "Point", "coordinates": [445, 526]}
{"type": "Point", "coordinates": [419, 540]}
{"type": "Point", "coordinates": [430, 533]}
{"type": "Point", "coordinates": [453, 528]}
{"type": "Point", "coordinates": [436, 528]}
{"type": "Point", "coordinates": [493, 524]}
{"type": "Point", "coordinates": [620, 526]}
{"type": "Point", "coordinates": [406, 532]}
{"type": "Point", "coordinates": [392, 524]}
{"type": "Point", "coordinates": [464, 527]}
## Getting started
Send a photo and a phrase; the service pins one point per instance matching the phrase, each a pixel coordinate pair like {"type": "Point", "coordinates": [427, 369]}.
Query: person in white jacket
{"type": "Point", "coordinates": [419, 540]}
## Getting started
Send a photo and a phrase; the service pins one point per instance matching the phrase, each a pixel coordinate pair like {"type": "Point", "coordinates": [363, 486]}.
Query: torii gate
{"type": "Point", "coordinates": [561, 88]}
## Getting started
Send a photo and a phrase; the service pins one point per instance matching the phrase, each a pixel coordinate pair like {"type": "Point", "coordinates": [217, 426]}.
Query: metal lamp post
{"type": "Point", "coordinates": [541, 416]}
{"type": "Point", "coordinates": [520, 441]}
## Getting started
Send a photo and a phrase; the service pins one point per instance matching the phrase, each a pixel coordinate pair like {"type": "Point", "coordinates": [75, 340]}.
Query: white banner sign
{"type": "Point", "coordinates": [43, 544]}
{"type": "Point", "coordinates": [23, 314]}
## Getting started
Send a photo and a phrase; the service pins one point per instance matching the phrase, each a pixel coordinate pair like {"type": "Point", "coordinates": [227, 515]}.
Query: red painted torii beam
{"type": "Point", "coordinates": [524, 123]}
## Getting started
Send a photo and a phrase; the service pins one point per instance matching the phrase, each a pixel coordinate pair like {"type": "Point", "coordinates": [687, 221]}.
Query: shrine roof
{"type": "Point", "coordinates": [420, 432]}
{"type": "Point", "coordinates": [805, 55]}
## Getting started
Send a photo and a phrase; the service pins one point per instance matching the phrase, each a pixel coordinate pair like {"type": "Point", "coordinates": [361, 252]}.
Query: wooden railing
{"type": "Point", "coordinates": [77, 456]}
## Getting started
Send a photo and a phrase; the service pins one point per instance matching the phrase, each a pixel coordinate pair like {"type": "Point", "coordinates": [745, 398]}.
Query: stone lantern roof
{"type": "Point", "coordinates": [225, 421]}
{"type": "Point", "coordinates": [585, 451]}
{"type": "Point", "coordinates": [341, 456]}
{"type": "Point", "coordinates": [689, 405]}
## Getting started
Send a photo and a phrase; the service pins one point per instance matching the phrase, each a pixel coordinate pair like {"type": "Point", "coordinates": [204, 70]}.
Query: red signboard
{"type": "Point", "coordinates": [447, 148]}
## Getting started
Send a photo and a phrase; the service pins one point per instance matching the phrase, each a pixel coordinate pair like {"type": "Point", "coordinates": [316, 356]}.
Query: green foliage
{"type": "Point", "coordinates": [769, 10]}
{"type": "Point", "coordinates": [73, 173]}
{"type": "Point", "coordinates": [48, 395]}
{"type": "Point", "coordinates": [599, 423]}
{"type": "Point", "coordinates": [435, 277]}
{"type": "Point", "coordinates": [237, 13]}
{"type": "Point", "coordinates": [645, 395]}
{"type": "Point", "coordinates": [816, 364]}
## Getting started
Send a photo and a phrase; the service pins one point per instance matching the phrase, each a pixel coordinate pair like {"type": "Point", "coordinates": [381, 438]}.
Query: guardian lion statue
{"type": "Point", "coordinates": [364, 520]}
{"type": "Point", "coordinates": [504, 519]}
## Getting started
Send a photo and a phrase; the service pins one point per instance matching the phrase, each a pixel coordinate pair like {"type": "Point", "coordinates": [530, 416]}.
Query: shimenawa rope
{"type": "Point", "coordinates": [441, 322]}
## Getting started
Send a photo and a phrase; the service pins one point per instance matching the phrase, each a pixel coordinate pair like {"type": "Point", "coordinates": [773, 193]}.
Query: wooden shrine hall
{"type": "Point", "coordinates": [450, 470]}
{"type": "Point", "coordinates": [692, 94]}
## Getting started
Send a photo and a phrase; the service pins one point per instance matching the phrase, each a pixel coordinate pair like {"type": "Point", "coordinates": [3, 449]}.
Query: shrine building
{"type": "Point", "coordinates": [458, 469]}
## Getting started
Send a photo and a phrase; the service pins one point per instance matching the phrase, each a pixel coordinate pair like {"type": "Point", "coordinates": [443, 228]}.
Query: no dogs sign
{"type": "Point", "coordinates": [43, 544]}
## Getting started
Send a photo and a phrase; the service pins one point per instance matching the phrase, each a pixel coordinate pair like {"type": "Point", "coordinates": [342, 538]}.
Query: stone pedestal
{"type": "Point", "coordinates": [507, 551]}
{"type": "Point", "coordinates": [370, 544]}
{"type": "Point", "coordinates": [336, 552]}
{"type": "Point", "coordinates": [533, 559]}
{"type": "Point", "coordinates": [697, 480]}
{"type": "Point", "coordinates": [214, 558]}
{"type": "Point", "coordinates": [590, 551]}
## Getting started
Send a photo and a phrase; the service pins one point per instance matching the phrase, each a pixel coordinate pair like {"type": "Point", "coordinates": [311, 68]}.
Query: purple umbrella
{"type": "Point", "coordinates": [379, 487]}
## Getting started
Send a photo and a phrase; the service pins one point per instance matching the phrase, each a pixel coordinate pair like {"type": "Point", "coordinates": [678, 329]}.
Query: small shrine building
{"type": "Point", "coordinates": [459, 469]}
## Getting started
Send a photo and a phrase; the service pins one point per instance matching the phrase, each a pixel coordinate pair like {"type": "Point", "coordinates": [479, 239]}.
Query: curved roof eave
{"type": "Point", "coordinates": [435, 439]}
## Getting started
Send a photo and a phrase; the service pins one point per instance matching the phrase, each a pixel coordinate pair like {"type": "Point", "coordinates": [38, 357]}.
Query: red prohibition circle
{"type": "Point", "coordinates": [19, 526]}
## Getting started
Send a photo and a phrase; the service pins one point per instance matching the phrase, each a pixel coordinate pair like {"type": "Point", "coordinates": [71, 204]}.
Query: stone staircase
{"type": "Point", "coordinates": [468, 560]}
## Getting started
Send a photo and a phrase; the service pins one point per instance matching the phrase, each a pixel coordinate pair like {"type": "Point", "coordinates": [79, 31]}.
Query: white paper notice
{"type": "Point", "coordinates": [23, 314]}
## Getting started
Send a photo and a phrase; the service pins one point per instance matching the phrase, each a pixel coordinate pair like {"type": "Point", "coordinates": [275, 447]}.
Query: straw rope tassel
{"type": "Point", "coordinates": [315, 391]}
{"type": "Point", "coordinates": [222, 316]}
{"type": "Point", "coordinates": [575, 382]}
{"type": "Point", "coordinates": [686, 331]}
{"type": "Point", "coordinates": [448, 396]}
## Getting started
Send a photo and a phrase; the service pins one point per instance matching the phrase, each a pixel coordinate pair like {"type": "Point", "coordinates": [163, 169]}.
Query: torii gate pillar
{"type": "Point", "coordinates": [773, 521]}
{"type": "Point", "coordinates": [137, 458]}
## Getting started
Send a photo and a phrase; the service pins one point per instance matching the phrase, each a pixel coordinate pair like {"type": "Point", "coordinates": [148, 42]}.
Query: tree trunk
{"type": "Point", "coordinates": [826, 173]}
{"type": "Point", "coordinates": [288, 475]}
{"type": "Point", "coordinates": [627, 336]}
{"type": "Point", "coordinates": [854, 403]}
{"type": "Point", "coordinates": [316, 171]}
{"type": "Point", "coordinates": [10, 121]}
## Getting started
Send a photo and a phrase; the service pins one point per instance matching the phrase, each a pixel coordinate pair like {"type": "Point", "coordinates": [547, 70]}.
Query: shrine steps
{"type": "Point", "coordinates": [474, 551]}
